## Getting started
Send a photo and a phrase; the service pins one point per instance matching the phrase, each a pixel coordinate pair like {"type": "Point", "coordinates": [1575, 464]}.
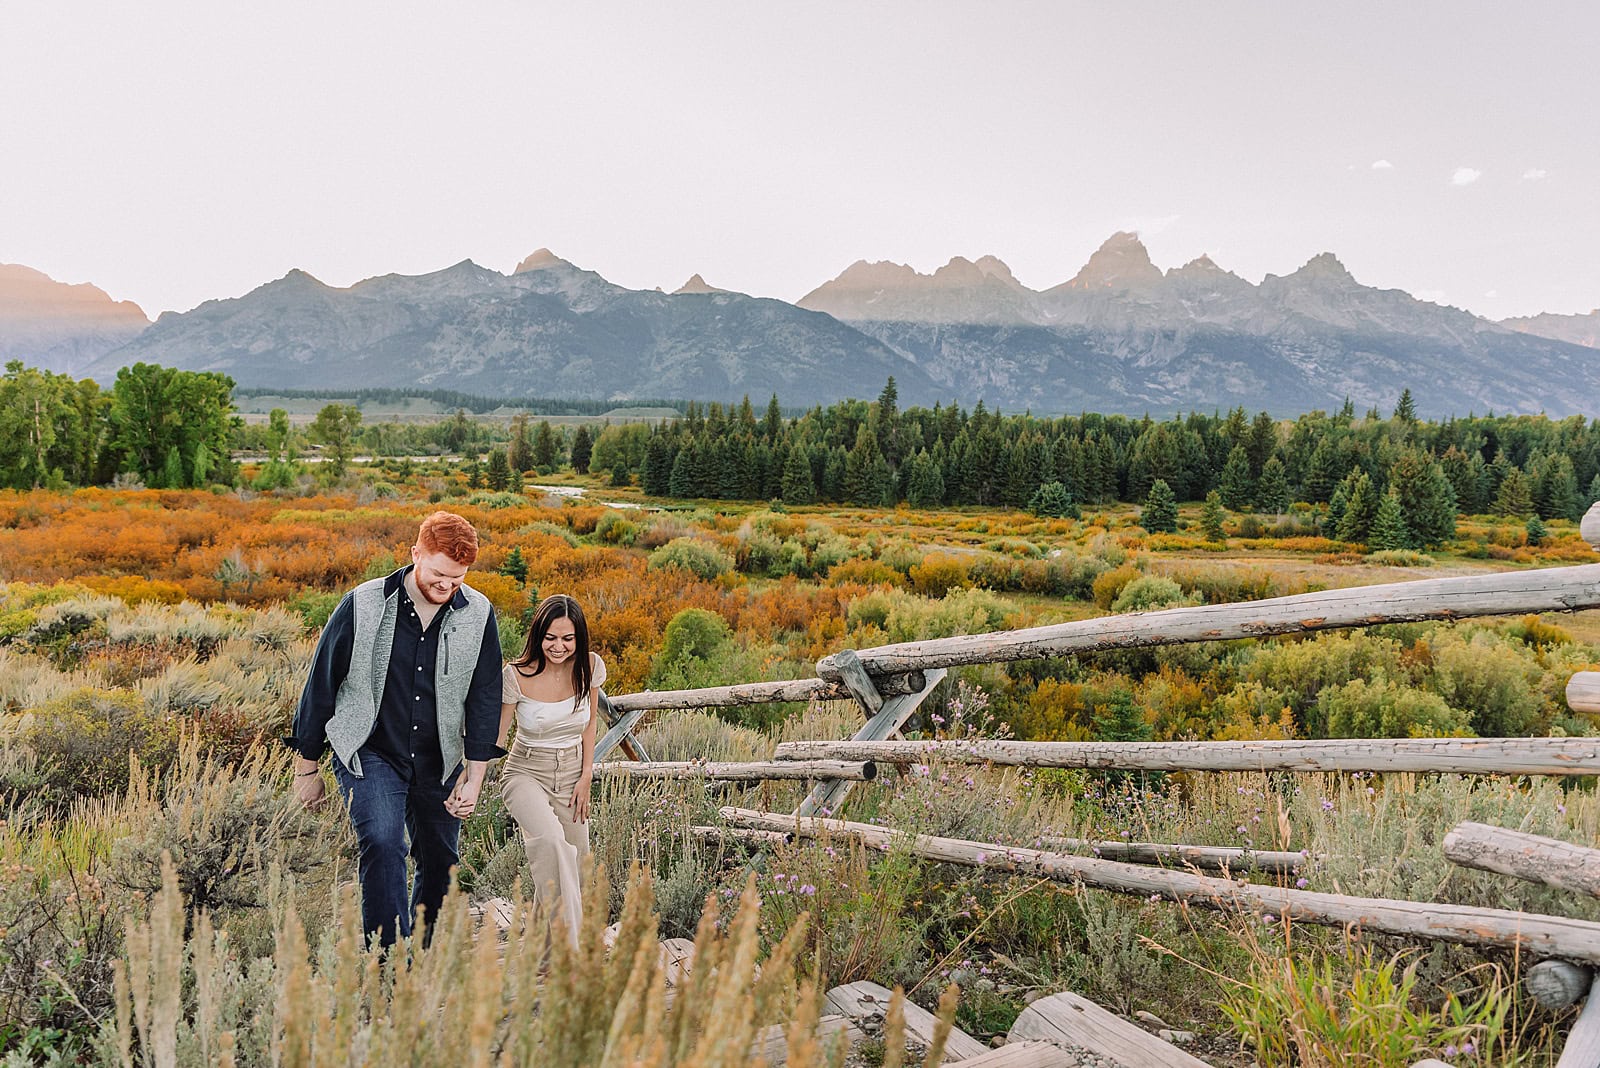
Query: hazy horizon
{"type": "Point", "coordinates": [179, 152]}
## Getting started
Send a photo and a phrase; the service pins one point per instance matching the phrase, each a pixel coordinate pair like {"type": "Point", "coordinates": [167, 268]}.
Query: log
{"type": "Point", "coordinates": [747, 771]}
{"type": "Point", "coordinates": [740, 834]}
{"type": "Point", "coordinates": [1589, 525]}
{"type": "Point", "coordinates": [1071, 1020]}
{"type": "Point", "coordinates": [1583, 691]}
{"type": "Point", "coordinates": [857, 681]}
{"type": "Point", "coordinates": [1024, 1055]}
{"type": "Point", "coordinates": [1535, 935]}
{"type": "Point", "coordinates": [1526, 856]}
{"type": "Point", "coordinates": [772, 1043]}
{"type": "Point", "coordinates": [1461, 756]}
{"type": "Point", "coordinates": [1555, 984]}
{"type": "Point", "coordinates": [1501, 593]}
{"type": "Point", "coordinates": [1209, 858]}
{"type": "Point", "coordinates": [865, 1001]}
{"type": "Point", "coordinates": [1583, 1041]}
{"type": "Point", "coordinates": [620, 733]}
{"type": "Point", "coordinates": [755, 693]}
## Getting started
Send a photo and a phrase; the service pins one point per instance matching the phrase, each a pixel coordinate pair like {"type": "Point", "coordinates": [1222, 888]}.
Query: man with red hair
{"type": "Point", "coordinates": [405, 688]}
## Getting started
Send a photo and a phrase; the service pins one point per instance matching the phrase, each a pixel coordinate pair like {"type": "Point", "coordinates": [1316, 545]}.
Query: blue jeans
{"type": "Point", "coordinates": [390, 810]}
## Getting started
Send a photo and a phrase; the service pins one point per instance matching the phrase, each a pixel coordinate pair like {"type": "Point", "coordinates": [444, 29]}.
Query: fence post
{"type": "Point", "coordinates": [826, 796]}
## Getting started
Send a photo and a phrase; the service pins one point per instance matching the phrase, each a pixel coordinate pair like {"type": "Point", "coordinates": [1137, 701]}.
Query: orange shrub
{"type": "Point", "coordinates": [1109, 584]}
{"type": "Point", "coordinates": [135, 590]}
{"type": "Point", "coordinates": [938, 574]}
{"type": "Point", "coordinates": [865, 572]}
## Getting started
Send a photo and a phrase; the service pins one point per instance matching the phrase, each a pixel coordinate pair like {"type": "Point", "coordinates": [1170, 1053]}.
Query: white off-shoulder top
{"type": "Point", "coordinates": [550, 724]}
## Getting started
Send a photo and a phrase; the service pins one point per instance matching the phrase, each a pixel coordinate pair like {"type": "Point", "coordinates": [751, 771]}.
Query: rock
{"type": "Point", "coordinates": [1149, 1018]}
{"type": "Point", "coordinates": [1177, 1038]}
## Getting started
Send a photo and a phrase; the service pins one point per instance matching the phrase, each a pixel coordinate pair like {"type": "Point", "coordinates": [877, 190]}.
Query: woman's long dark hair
{"type": "Point", "coordinates": [557, 606]}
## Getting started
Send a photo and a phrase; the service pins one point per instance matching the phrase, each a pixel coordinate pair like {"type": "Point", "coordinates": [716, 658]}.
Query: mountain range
{"type": "Point", "coordinates": [1121, 335]}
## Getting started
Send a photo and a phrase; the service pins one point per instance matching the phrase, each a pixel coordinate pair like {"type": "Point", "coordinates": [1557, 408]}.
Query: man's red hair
{"type": "Point", "coordinates": [448, 533]}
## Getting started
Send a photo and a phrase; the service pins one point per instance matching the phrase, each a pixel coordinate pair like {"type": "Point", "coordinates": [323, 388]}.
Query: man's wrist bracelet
{"type": "Point", "coordinates": [303, 774]}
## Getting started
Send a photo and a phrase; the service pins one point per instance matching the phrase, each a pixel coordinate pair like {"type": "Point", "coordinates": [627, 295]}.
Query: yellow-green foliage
{"type": "Point", "coordinates": [1383, 709]}
{"type": "Point", "coordinates": [541, 1002]}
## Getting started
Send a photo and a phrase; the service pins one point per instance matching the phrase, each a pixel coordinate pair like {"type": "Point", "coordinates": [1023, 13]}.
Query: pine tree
{"type": "Point", "coordinates": [1389, 530]}
{"type": "Point", "coordinates": [773, 424]}
{"type": "Point", "coordinates": [1336, 509]}
{"type": "Point", "coordinates": [798, 486]}
{"type": "Point", "coordinates": [1054, 501]}
{"type": "Point", "coordinates": [1160, 513]}
{"type": "Point", "coordinates": [1536, 530]}
{"type": "Point", "coordinates": [546, 451]}
{"type": "Point", "coordinates": [514, 565]}
{"type": "Point", "coordinates": [1427, 501]}
{"type": "Point", "coordinates": [1555, 489]}
{"type": "Point", "coordinates": [1360, 509]}
{"type": "Point", "coordinates": [1211, 518]}
{"type": "Point", "coordinates": [1594, 491]}
{"type": "Point", "coordinates": [1322, 472]}
{"type": "Point", "coordinates": [1406, 409]}
{"type": "Point", "coordinates": [499, 473]}
{"type": "Point", "coordinates": [519, 453]}
{"type": "Point", "coordinates": [658, 456]}
{"type": "Point", "coordinates": [1272, 492]}
{"type": "Point", "coordinates": [861, 476]}
{"type": "Point", "coordinates": [1236, 486]}
{"type": "Point", "coordinates": [681, 482]}
{"type": "Point", "coordinates": [619, 473]}
{"type": "Point", "coordinates": [1515, 499]}
{"type": "Point", "coordinates": [832, 488]}
{"type": "Point", "coordinates": [1121, 720]}
{"type": "Point", "coordinates": [925, 489]}
{"type": "Point", "coordinates": [474, 474]}
{"type": "Point", "coordinates": [582, 449]}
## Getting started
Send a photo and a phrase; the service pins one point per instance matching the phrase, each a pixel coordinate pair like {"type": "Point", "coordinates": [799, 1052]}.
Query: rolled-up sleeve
{"type": "Point", "coordinates": [483, 699]}
{"type": "Point", "coordinates": [329, 665]}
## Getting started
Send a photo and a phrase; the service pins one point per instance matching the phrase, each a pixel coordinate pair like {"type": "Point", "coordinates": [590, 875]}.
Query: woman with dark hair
{"type": "Point", "coordinates": [553, 692]}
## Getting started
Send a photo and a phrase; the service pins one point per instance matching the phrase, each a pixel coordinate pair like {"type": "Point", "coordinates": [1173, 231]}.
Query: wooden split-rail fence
{"type": "Point", "coordinates": [889, 682]}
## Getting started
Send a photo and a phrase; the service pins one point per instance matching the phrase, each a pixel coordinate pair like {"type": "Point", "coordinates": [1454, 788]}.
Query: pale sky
{"type": "Point", "coordinates": [176, 152]}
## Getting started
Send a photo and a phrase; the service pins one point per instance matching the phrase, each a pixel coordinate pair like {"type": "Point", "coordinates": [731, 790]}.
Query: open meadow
{"type": "Point", "coordinates": [153, 644]}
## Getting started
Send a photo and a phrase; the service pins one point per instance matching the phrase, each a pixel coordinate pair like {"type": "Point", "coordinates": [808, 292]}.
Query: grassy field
{"type": "Point", "coordinates": [177, 625]}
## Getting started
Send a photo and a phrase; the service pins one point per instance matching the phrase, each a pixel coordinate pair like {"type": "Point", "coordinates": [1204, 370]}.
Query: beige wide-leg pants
{"type": "Point", "coordinates": [536, 785]}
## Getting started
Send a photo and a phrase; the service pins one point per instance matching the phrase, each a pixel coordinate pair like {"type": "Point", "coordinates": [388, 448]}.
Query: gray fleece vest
{"type": "Point", "coordinates": [355, 706]}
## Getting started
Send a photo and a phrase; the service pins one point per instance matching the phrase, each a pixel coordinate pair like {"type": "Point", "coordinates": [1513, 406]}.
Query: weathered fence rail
{"type": "Point", "coordinates": [1497, 594]}
{"type": "Point", "coordinates": [746, 771]}
{"type": "Point", "coordinates": [1462, 756]}
{"type": "Point", "coordinates": [1532, 857]}
{"type": "Point", "coordinates": [1535, 935]}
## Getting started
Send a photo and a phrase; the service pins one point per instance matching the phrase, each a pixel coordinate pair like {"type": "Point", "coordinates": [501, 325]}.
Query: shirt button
{"type": "Point", "coordinates": [419, 667]}
{"type": "Point", "coordinates": [418, 697]}
{"type": "Point", "coordinates": [413, 726]}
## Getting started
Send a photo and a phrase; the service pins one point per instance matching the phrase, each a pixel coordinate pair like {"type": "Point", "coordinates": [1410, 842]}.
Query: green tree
{"type": "Point", "coordinates": [1160, 513]}
{"type": "Point", "coordinates": [1272, 491]}
{"type": "Point", "coordinates": [514, 565]}
{"type": "Point", "coordinates": [519, 452]}
{"type": "Point", "coordinates": [798, 485]}
{"type": "Point", "coordinates": [1389, 529]}
{"type": "Point", "coordinates": [1405, 410]}
{"type": "Point", "coordinates": [582, 448]}
{"type": "Point", "coordinates": [1361, 509]}
{"type": "Point", "coordinates": [1212, 516]}
{"type": "Point", "coordinates": [334, 429]}
{"type": "Point", "coordinates": [1515, 497]}
{"type": "Point", "coordinates": [1119, 719]}
{"type": "Point", "coordinates": [865, 471]}
{"type": "Point", "coordinates": [498, 475]}
{"type": "Point", "coordinates": [1238, 489]}
{"type": "Point", "coordinates": [772, 425]}
{"type": "Point", "coordinates": [546, 450]}
{"type": "Point", "coordinates": [1427, 500]}
{"type": "Point", "coordinates": [155, 410]}
{"type": "Point", "coordinates": [1054, 501]}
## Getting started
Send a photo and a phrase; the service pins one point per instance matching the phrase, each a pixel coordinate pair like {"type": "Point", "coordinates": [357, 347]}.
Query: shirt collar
{"type": "Point", "coordinates": [396, 582]}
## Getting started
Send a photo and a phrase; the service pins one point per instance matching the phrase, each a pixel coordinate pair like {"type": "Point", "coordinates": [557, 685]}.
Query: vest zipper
{"type": "Point", "coordinates": [446, 635]}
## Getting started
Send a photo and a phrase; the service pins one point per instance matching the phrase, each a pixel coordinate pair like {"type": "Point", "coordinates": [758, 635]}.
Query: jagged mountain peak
{"type": "Point", "coordinates": [538, 260]}
{"type": "Point", "coordinates": [1121, 262]}
{"type": "Point", "coordinates": [1325, 267]}
{"type": "Point", "coordinates": [696, 284]}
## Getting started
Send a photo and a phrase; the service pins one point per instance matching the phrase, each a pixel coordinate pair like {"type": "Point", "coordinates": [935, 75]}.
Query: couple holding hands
{"type": "Point", "coordinates": [408, 690]}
